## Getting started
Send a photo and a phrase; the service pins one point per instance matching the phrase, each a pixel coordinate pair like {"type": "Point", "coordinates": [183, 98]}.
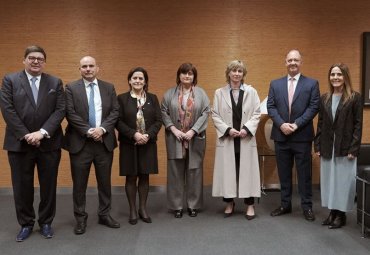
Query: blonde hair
{"type": "Point", "coordinates": [233, 65]}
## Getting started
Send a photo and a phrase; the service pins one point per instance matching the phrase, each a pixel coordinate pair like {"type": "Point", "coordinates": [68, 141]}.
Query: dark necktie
{"type": "Point", "coordinates": [92, 120]}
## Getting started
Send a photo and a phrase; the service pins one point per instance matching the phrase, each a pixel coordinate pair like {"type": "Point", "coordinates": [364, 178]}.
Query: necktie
{"type": "Point", "coordinates": [291, 93]}
{"type": "Point", "coordinates": [35, 91]}
{"type": "Point", "coordinates": [92, 120]}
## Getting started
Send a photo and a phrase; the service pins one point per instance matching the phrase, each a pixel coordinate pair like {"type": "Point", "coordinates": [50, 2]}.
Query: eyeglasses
{"type": "Point", "coordinates": [33, 59]}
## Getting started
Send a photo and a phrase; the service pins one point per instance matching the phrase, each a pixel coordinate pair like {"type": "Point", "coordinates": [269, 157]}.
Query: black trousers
{"type": "Point", "coordinates": [97, 154]}
{"type": "Point", "coordinates": [286, 154]}
{"type": "Point", "coordinates": [248, 200]}
{"type": "Point", "coordinates": [22, 166]}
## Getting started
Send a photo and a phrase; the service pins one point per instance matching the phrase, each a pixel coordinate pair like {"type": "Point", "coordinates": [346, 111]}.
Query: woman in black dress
{"type": "Point", "coordinates": [138, 125]}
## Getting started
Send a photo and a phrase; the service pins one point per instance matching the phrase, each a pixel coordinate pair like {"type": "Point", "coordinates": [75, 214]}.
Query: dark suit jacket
{"type": "Point", "coordinates": [126, 124]}
{"type": "Point", "coordinates": [77, 113]}
{"type": "Point", "coordinates": [346, 127]}
{"type": "Point", "coordinates": [23, 116]}
{"type": "Point", "coordinates": [305, 106]}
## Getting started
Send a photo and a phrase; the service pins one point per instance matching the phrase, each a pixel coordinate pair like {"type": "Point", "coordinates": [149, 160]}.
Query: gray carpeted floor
{"type": "Point", "coordinates": [209, 233]}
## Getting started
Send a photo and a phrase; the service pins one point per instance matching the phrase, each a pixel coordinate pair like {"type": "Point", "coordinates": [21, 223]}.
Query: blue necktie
{"type": "Point", "coordinates": [35, 91]}
{"type": "Point", "coordinates": [92, 120]}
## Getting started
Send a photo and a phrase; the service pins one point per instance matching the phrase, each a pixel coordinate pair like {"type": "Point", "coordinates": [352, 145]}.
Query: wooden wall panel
{"type": "Point", "coordinates": [161, 34]}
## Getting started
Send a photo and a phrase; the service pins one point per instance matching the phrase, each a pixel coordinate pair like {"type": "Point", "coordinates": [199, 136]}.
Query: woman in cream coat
{"type": "Point", "coordinates": [236, 114]}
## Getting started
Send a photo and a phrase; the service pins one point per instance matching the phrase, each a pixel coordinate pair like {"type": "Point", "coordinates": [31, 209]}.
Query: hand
{"type": "Point", "coordinates": [350, 156]}
{"type": "Point", "coordinates": [96, 133]}
{"type": "Point", "coordinates": [188, 135]}
{"type": "Point", "coordinates": [287, 128]}
{"type": "Point", "coordinates": [243, 133]}
{"type": "Point", "coordinates": [177, 133]}
{"type": "Point", "coordinates": [34, 138]}
{"type": "Point", "coordinates": [141, 139]}
{"type": "Point", "coordinates": [234, 133]}
{"type": "Point", "coordinates": [318, 153]}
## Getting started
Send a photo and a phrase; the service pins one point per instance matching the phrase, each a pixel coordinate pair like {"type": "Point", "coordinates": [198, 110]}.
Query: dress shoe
{"type": "Point", "coordinates": [339, 221]}
{"type": "Point", "coordinates": [24, 233]}
{"type": "Point", "coordinates": [228, 214]}
{"type": "Point", "coordinates": [145, 219]}
{"type": "Point", "coordinates": [132, 221]}
{"type": "Point", "coordinates": [309, 215]}
{"type": "Point", "coordinates": [109, 222]}
{"type": "Point", "coordinates": [80, 227]}
{"type": "Point", "coordinates": [178, 213]}
{"type": "Point", "coordinates": [280, 211]}
{"type": "Point", "coordinates": [250, 217]}
{"type": "Point", "coordinates": [330, 218]}
{"type": "Point", "coordinates": [192, 212]}
{"type": "Point", "coordinates": [47, 231]}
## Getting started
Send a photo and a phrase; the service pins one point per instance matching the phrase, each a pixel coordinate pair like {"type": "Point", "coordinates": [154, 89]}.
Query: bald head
{"type": "Point", "coordinates": [293, 62]}
{"type": "Point", "coordinates": [88, 68]}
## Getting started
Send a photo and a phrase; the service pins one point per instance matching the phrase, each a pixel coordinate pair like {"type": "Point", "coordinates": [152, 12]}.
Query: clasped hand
{"type": "Point", "coordinates": [34, 138]}
{"type": "Point", "coordinates": [181, 135]}
{"type": "Point", "coordinates": [141, 139]}
{"type": "Point", "coordinates": [235, 133]}
{"type": "Point", "coordinates": [288, 128]}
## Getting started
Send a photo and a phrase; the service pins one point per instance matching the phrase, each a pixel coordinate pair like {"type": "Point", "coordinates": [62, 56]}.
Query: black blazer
{"type": "Point", "coordinates": [346, 126]}
{"type": "Point", "coordinates": [305, 106]}
{"type": "Point", "coordinates": [126, 124]}
{"type": "Point", "coordinates": [77, 113]}
{"type": "Point", "coordinates": [23, 116]}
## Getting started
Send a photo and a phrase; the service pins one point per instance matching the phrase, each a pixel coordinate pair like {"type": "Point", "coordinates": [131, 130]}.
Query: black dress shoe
{"type": "Point", "coordinates": [280, 211]}
{"type": "Point", "coordinates": [339, 221]}
{"type": "Point", "coordinates": [80, 227]}
{"type": "Point", "coordinates": [146, 220]}
{"type": "Point", "coordinates": [47, 231]}
{"type": "Point", "coordinates": [228, 214]}
{"type": "Point", "coordinates": [132, 221]}
{"type": "Point", "coordinates": [308, 215]}
{"type": "Point", "coordinates": [24, 233]}
{"type": "Point", "coordinates": [330, 218]}
{"type": "Point", "coordinates": [192, 212]}
{"type": "Point", "coordinates": [250, 217]}
{"type": "Point", "coordinates": [178, 213]}
{"type": "Point", "coordinates": [109, 222]}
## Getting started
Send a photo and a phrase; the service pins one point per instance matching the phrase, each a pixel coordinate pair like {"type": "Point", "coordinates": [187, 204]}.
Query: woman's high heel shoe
{"type": "Point", "coordinates": [145, 219]}
{"type": "Point", "coordinates": [339, 221]}
{"type": "Point", "coordinates": [329, 220]}
{"type": "Point", "coordinates": [228, 214]}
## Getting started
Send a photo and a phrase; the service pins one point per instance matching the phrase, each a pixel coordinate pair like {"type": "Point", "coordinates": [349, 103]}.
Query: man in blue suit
{"type": "Point", "coordinates": [293, 102]}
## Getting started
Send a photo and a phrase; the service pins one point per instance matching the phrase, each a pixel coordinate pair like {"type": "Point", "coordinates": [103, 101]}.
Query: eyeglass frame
{"type": "Point", "coordinates": [33, 59]}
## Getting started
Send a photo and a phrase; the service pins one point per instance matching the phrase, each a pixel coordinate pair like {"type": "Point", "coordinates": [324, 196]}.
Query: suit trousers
{"type": "Point", "coordinates": [183, 182]}
{"type": "Point", "coordinates": [22, 166]}
{"type": "Point", "coordinates": [92, 153]}
{"type": "Point", "coordinates": [286, 154]}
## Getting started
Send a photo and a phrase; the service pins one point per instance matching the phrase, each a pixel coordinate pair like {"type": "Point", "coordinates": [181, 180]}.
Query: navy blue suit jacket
{"type": "Point", "coordinates": [305, 105]}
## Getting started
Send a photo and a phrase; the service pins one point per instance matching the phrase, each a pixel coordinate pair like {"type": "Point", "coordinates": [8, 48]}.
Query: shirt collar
{"type": "Point", "coordinates": [87, 83]}
{"type": "Point", "coordinates": [296, 77]}
{"type": "Point", "coordinates": [30, 76]}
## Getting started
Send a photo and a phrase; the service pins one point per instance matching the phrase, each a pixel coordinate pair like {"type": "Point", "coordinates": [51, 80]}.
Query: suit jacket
{"type": "Point", "coordinates": [346, 127]}
{"type": "Point", "coordinates": [22, 115]}
{"type": "Point", "coordinates": [304, 107]}
{"type": "Point", "coordinates": [126, 124]}
{"type": "Point", "coordinates": [170, 117]}
{"type": "Point", "coordinates": [77, 113]}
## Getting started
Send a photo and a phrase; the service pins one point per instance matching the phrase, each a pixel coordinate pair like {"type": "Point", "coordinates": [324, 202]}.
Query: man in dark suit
{"type": "Point", "coordinates": [92, 113]}
{"type": "Point", "coordinates": [33, 106]}
{"type": "Point", "coordinates": [293, 102]}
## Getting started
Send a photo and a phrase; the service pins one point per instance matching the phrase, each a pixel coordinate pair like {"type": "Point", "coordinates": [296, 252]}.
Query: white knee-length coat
{"type": "Point", "coordinates": [224, 175]}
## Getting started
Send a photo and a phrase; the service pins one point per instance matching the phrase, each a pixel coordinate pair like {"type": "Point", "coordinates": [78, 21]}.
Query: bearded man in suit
{"type": "Point", "coordinates": [92, 113]}
{"type": "Point", "coordinates": [33, 107]}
